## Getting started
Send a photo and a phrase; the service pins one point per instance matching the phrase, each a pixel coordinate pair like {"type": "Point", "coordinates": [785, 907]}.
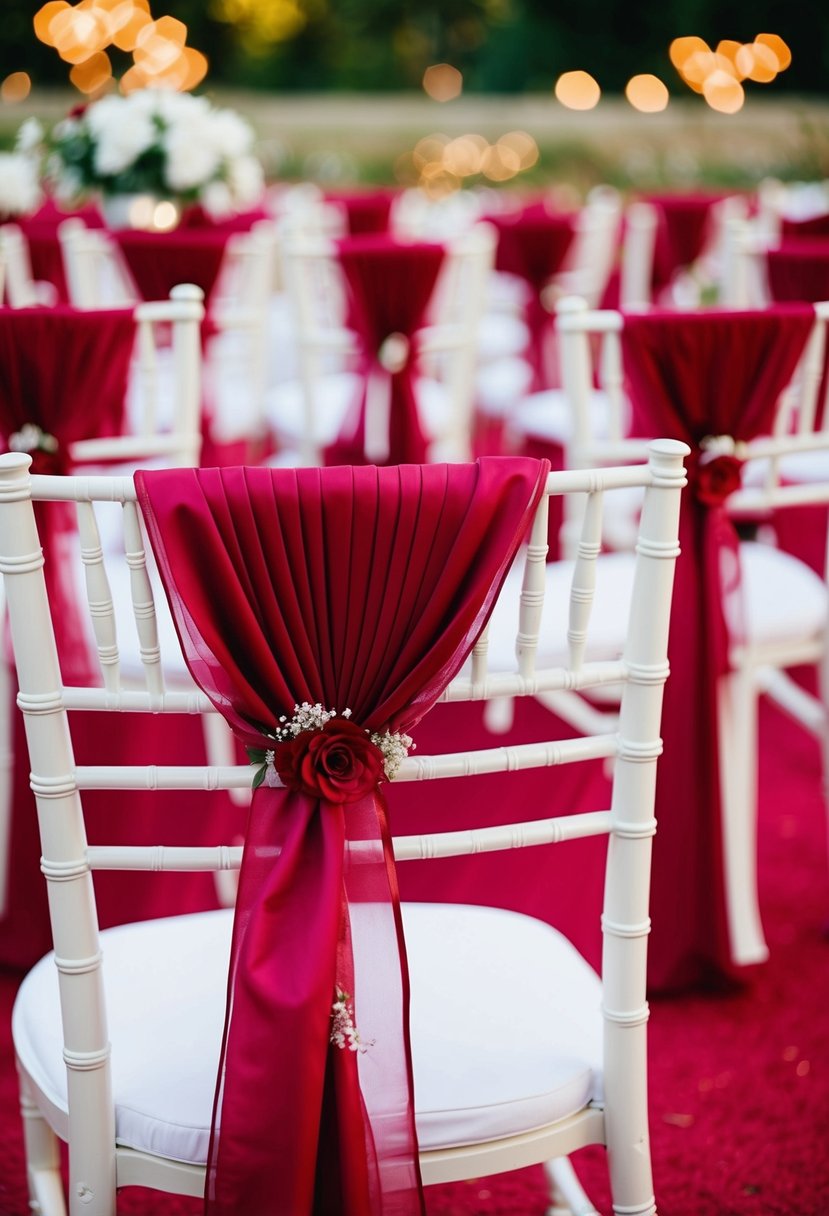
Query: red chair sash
{"type": "Point", "coordinates": [357, 588]}
{"type": "Point", "coordinates": [533, 244]}
{"type": "Point", "coordinates": [691, 376]}
{"type": "Point", "coordinates": [365, 210]}
{"type": "Point", "coordinates": [389, 285]}
{"type": "Point", "coordinates": [65, 373]}
{"type": "Point", "coordinates": [682, 231]}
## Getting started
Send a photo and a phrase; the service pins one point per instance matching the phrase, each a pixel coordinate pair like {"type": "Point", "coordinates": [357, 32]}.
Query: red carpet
{"type": "Point", "coordinates": [739, 1082]}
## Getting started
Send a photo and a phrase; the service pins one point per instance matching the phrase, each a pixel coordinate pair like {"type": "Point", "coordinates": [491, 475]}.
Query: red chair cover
{"type": "Point", "coordinates": [365, 210]}
{"type": "Point", "coordinates": [362, 588]}
{"type": "Point", "coordinates": [690, 376]}
{"type": "Point", "coordinates": [533, 243]}
{"type": "Point", "coordinates": [65, 372]}
{"type": "Point", "coordinates": [160, 260]}
{"type": "Point", "coordinates": [818, 225]}
{"type": "Point", "coordinates": [389, 284]}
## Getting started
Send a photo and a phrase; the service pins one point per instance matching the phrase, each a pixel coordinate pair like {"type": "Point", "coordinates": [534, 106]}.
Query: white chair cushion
{"type": "Point", "coordinates": [501, 334]}
{"type": "Point", "coordinates": [783, 600]}
{"type": "Point", "coordinates": [505, 1022]}
{"type": "Point", "coordinates": [549, 415]}
{"type": "Point", "coordinates": [501, 385]}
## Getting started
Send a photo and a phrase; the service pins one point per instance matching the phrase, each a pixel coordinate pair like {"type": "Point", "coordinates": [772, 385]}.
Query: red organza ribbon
{"type": "Point", "coordinates": [374, 266]}
{"type": "Point", "coordinates": [692, 376]}
{"type": "Point", "coordinates": [351, 588]}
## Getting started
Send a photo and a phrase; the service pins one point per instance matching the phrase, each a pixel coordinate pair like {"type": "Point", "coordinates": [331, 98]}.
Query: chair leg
{"type": "Point", "coordinates": [738, 720]}
{"type": "Point", "coordinates": [566, 1192]}
{"type": "Point", "coordinates": [42, 1160]}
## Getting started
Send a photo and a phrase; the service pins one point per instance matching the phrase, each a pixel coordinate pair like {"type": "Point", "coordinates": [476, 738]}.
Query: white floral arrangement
{"type": "Point", "coordinates": [157, 142]}
{"type": "Point", "coordinates": [20, 191]}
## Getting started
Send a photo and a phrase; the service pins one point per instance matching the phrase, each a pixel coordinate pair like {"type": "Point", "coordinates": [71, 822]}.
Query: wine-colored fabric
{"type": "Point", "coordinates": [358, 588]}
{"type": "Point", "coordinates": [533, 244]}
{"type": "Point", "coordinates": [389, 285]}
{"type": "Point", "coordinates": [160, 260]}
{"type": "Point", "coordinates": [365, 210]}
{"type": "Point", "coordinates": [197, 218]}
{"type": "Point", "coordinates": [64, 371]}
{"type": "Point", "coordinates": [681, 233]}
{"type": "Point", "coordinates": [818, 225]}
{"type": "Point", "coordinates": [799, 270]}
{"type": "Point", "coordinates": [691, 376]}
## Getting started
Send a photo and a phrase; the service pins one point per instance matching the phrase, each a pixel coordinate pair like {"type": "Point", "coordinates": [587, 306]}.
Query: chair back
{"type": "Point", "coordinates": [22, 290]}
{"type": "Point", "coordinates": [59, 782]}
{"type": "Point", "coordinates": [639, 243]}
{"type": "Point", "coordinates": [592, 254]}
{"type": "Point", "coordinates": [96, 274]}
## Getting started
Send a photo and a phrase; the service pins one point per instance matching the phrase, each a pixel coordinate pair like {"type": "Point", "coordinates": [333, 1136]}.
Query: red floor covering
{"type": "Point", "coordinates": [739, 1081]}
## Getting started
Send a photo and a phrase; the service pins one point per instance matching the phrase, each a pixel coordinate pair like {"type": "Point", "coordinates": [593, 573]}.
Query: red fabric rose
{"type": "Point", "coordinates": [339, 762]}
{"type": "Point", "coordinates": [717, 478]}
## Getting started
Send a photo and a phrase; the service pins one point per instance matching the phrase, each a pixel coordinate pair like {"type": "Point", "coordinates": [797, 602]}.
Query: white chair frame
{"type": "Point", "coordinates": [97, 1165]}
{"type": "Point", "coordinates": [20, 286]}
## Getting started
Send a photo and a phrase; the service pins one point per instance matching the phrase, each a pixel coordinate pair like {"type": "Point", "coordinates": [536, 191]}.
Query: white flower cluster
{"type": "Point", "coordinates": [344, 1033]}
{"type": "Point", "coordinates": [161, 142]}
{"type": "Point", "coordinates": [19, 184]}
{"type": "Point", "coordinates": [395, 747]}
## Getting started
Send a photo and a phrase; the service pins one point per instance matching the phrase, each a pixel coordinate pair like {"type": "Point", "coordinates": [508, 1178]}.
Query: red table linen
{"type": "Point", "coordinates": [365, 210]}
{"type": "Point", "coordinates": [691, 376]}
{"type": "Point", "coordinates": [357, 588]}
{"type": "Point", "coordinates": [159, 261]}
{"type": "Point", "coordinates": [682, 231]}
{"type": "Point", "coordinates": [799, 270]}
{"type": "Point", "coordinates": [41, 232]}
{"type": "Point", "coordinates": [389, 285]}
{"type": "Point", "coordinates": [817, 225]}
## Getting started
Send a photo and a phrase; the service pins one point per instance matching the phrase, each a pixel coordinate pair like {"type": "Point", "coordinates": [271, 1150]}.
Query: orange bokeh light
{"type": "Point", "coordinates": [577, 90]}
{"type": "Point", "coordinates": [524, 146]}
{"type": "Point", "coordinates": [776, 44]}
{"type": "Point", "coordinates": [681, 49]}
{"type": "Point", "coordinates": [442, 82]}
{"type": "Point", "coordinates": [43, 20]}
{"type": "Point", "coordinates": [757, 62]}
{"type": "Point", "coordinates": [723, 92]}
{"type": "Point", "coordinates": [646, 93]}
{"type": "Point", "coordinates": [126, 36]}
{"type": "Point", "coordinates": [92, 74]}
{"type": "Point", "coordinates": [16, 87]}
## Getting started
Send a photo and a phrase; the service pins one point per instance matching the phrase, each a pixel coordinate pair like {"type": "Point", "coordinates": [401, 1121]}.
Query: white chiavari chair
{"type": "Point", "coordinates": [108, 1027]}
{"type": "Point", "coordinates": [307, 414]}
{"type": "Point", "coordinates": [21, 288]}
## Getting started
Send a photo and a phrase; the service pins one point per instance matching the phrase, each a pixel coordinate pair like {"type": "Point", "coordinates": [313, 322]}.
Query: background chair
{"type": "Point", "coordinates": [135, 1120]}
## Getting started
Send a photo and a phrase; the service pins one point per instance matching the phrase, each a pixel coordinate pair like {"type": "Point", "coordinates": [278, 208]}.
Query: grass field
{"type": "Point", "coordinates": [361, 137]}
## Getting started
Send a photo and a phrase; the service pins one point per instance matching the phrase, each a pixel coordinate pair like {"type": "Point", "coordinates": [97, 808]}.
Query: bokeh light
{"type": "Point", "coordinates": [757, 62]}
{"type": "Point", "coordinates": [577, 90]}
{"type": "Point", "coordinates": [93, 74]}
{"type": "Point", "coordinates": [723, 92]}
{"type": "Point", "coordinates": [16, 87]}
{"type": "Point", "coordinates": [442, 82]}
{"type": "Point", "coordinates": [776, 44]}
{"type": "Point", "coordinates": [647, 93]}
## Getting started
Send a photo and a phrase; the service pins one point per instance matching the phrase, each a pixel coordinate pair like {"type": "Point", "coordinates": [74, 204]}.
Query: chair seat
{"type": "Point", "coordinates": [493, 992]}
{"type": "Point", "coordinates": [784, 600]}
{"type": "Point", "coordinates": [501, 384]}
{"type": "Point", "coordinates": [549, 415]}
{"type": "Point", "coordinates": [501, 334]}
{"type": "Point", "coordinates": [798, 468]}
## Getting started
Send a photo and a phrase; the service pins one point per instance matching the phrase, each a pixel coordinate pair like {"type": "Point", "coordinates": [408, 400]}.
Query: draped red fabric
{"type": "Point", "coordinates": [533, 244]}
{"type": "Point", "coordinates": [691, 376]}
{"type": "Point", "coordinates": [682, 230]}
{"type": "Point", "coordinates": [365, 210]}
{"type": "Point", "coordinates": [799, 270]}
{"type": "Point", "coordinates": [160, 260]}
{"type": "Point", "coordinates": [374, 266]}
{"type": "Point", "coordinates": [818, 225]}
{"type": "Point", "coordinates": [360, 588]}
{"type": "Point", "coordinates": [196, 217]}
{"type": "Point", "coordinates": [65, 372]}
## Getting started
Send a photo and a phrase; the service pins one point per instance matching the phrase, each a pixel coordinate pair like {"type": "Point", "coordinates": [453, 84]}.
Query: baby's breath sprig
{"type": "Point", "coordinates": [307, 717]}
{"type": "Point", "coordinates": [344, 1033]}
